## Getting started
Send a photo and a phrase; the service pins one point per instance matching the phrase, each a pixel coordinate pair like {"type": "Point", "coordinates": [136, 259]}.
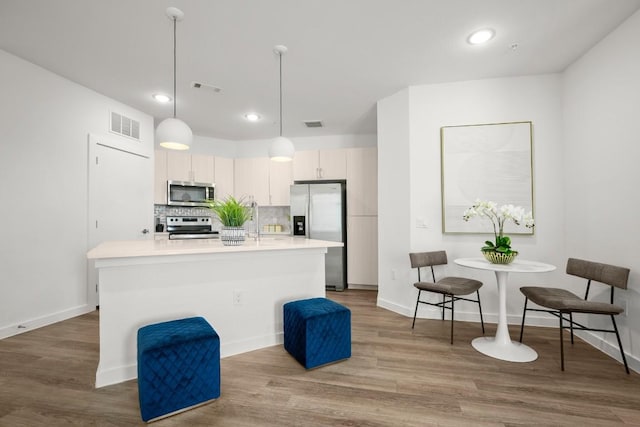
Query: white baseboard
{"type": "Point", "coordinates": [531, 320]}
{"type": "Point", "coordinates": [396, 308]}
{"type": "Point", "coordinates": [39, 322]}
{"type": "Point", "coordinates": [363, 287]}
{"type": "Point", "coordinates": [609, 349]}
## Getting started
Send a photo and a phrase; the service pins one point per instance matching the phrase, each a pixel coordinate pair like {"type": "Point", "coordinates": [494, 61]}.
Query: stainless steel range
{"type": "Point", "coordinates": [190, 227]}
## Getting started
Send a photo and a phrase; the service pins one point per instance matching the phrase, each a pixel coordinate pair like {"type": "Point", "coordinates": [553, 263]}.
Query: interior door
{"type": "Point", "coordinates": [120, 197]}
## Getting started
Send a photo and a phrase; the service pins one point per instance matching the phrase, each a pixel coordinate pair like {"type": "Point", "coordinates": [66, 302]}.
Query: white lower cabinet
{"type": "Point", "coordinates": [362, 250]}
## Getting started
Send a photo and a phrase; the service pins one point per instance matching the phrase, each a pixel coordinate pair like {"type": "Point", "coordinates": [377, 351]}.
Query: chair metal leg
{"type": "Point", "coordinates": [571, 326]}
{"type": "Point", "coordinates": [415, 313]}
{"type": "Point", "coordinates": [480, 308]}
{"type": "Point", "coordinates": [524, 312]}
{"type": "Point", "coordinates": [444, 300]}
{"type": "Point", "coordinates": [624, 359]}
{"type": "Point", "coordinates": [561, 344]}
{"type": "Point", "coordinates": [452, 300]}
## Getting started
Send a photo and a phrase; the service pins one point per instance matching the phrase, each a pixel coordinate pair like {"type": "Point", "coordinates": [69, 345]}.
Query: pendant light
{"type": "Point", "coordinates": [173, 133]}
{"type": "Point", "coordinates": [281, 148]}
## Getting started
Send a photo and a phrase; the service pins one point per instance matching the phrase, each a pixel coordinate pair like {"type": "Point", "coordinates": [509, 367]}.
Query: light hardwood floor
{"type": "Point", "coordinates": [396, 377]}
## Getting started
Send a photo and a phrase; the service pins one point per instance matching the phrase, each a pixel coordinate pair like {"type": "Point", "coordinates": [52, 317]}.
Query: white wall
{"type": "Point", "coordinates": [530, 98]}
{"type": "Point", "coordinates": [602, 171]}
{"type": "Point", "coordinates": [260, 147]}
{"type": "Point", "coordinates": [44, 124]}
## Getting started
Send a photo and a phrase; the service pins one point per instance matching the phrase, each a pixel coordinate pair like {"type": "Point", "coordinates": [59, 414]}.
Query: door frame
{"type": "Point", "coordinates": [120, 144]}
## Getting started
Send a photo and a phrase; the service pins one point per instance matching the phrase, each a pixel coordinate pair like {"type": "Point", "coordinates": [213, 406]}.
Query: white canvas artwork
{"type": "Point", "coordinates": [487, 162]}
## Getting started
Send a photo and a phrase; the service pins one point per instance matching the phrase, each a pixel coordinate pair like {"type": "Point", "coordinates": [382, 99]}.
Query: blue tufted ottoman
{"type": "Point", "coordinates": [178, 366]}
{"type": "Point", "coordinates": [317, 331]}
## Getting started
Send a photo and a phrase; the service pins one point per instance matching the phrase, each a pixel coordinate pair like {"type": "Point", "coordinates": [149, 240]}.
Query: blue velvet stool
{"type": "Point", "coordinates": [178, 366]}
{"type": "Point", "coordinates": [317, 331]}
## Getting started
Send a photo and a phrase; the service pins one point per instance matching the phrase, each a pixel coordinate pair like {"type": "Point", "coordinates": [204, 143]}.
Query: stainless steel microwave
{"type": "Point", "coordinates": [187, 193]}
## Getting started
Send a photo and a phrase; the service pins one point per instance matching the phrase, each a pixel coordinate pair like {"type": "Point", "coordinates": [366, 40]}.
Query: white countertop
{"type": "Point", "coordinates": [148, 248]}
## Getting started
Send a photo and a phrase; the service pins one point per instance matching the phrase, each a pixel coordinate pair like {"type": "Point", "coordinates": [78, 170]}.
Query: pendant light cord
{"type": "Point", "coordinates": [174, 68]}
{"type": "Point", "coordinates": [280, 55]}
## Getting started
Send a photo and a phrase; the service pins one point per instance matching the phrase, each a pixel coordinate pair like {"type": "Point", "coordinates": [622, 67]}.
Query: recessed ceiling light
{"type": "Point", "coordinates": [481, 36]}
{"type": "Point", "coordinates": [161, 97]}
{"type": "Point", "coordinates": [252, 117]}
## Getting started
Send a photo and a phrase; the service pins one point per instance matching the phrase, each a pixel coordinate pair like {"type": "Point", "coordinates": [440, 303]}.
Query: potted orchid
{"type": "Point", "coordinates": [499, 251]}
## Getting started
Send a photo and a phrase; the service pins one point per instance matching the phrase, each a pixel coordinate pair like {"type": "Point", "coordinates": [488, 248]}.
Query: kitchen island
{"type": "Point", "coordinates": [240, 290]}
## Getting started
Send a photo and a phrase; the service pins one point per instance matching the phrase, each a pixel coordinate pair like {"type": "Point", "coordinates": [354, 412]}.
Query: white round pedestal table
{"type": "Point", "coordinates": [501, 347]}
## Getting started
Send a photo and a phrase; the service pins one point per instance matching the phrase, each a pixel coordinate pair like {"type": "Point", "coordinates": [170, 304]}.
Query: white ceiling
{"type": "Point", "coordinates": [344, 55]}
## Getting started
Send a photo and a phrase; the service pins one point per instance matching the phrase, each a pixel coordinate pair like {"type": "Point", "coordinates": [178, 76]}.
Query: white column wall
{"type": "Point", "coordinates": [44, 125]}
{"type": "Point", "coordinates": [602, 171]}
{"type": "Point", "coordinates": [394, 178]}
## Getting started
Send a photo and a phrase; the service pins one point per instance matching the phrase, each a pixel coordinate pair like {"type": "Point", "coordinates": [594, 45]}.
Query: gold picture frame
{"type": "Point", "coordinates": [488, 162]}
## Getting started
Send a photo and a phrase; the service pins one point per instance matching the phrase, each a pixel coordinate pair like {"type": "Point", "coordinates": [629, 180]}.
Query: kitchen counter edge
{"type": "Point", "coordinates": [149, 248]}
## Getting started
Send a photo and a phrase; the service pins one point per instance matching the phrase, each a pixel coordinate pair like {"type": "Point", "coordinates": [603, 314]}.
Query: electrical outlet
{"type": "Point", "coordinates": [237, 298]}
{"type": "Point", "coordinates": [394, 274]}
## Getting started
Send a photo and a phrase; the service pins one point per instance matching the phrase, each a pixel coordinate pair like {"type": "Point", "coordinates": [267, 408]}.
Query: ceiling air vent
{"type": "Point", "coordinates": [201, 85]}
{"type": "Point", "coordinates": [123, 125]}
{"type": "Point", "coordinates": [313, 123]}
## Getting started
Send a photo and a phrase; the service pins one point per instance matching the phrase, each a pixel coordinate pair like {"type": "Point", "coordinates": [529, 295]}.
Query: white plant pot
{"type": "Point", "coordinates": [232, 236]}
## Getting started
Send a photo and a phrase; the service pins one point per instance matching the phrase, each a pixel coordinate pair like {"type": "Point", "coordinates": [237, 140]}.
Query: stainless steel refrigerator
{"type": "Point", "coordinates": [318, 211]}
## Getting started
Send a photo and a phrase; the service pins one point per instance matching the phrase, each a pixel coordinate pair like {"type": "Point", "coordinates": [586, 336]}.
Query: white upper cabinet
{"type": "Point", "coordinates": [268, 182]}
{"type": "Point", "coordinates": [202, 168]}
{"type": "Point", "coordinates": [319, 164]}
{"type": "Point", "coordinates": [160, 178]}
{"type": "Point", "coordinates": [223, 177]}
{"type": "Point", "coordinates": [280, 180]}
{"type": "Point", "coordinates": [332, 164]}
{"type": "Point", "coordinates": [251, 179]}
{"type": "Point", "coordinates": [189, 167]}
{"type": "Point", "coordinates": [178, 166]}
{"type": "Point", "coordinates": [362, 181]}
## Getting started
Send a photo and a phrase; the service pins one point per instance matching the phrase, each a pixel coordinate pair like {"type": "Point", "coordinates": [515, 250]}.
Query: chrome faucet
{"type": "Point", "coordinates": [254, 206]}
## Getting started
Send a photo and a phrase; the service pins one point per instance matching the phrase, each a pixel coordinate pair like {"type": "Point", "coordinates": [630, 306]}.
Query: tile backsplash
{"type": "Point", "coordinates": [267, 215]}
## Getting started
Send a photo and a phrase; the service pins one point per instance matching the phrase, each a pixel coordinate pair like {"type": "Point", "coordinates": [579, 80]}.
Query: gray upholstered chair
{"type": "Point", "coordinates": [451, 288]}
{"type": "Point", "coordinates": [561, 302]}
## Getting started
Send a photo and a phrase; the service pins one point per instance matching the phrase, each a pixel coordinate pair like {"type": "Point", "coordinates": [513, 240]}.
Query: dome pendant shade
{"type": "Point", "coordinates": [174, 134]}
{"type": "Point", "coordinates": [281, 149]}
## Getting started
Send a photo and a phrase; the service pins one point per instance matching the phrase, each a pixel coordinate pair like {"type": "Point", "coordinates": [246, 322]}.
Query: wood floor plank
{"type": "Point", "coordinates": [397, 376]}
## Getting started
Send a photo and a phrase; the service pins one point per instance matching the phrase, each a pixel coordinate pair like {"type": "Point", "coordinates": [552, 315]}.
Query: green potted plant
{"type": "Point", "coordinates": [232, 213]}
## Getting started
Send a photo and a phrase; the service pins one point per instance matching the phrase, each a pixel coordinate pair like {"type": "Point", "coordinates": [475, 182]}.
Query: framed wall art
{"type": "Point", "coordinates": [487, 162]}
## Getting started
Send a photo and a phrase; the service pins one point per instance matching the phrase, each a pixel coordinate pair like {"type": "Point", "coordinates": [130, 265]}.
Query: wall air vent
{"type": "Point", "coordinates": [313, 123]}
{"type": "Point", "coordinates": [201, 85]}
{"type": "Point", "coordinates": [123, 125]}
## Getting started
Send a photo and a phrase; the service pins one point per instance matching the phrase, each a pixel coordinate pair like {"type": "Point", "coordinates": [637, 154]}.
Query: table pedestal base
{"type": "Point", "coordinates": [509, 351]}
